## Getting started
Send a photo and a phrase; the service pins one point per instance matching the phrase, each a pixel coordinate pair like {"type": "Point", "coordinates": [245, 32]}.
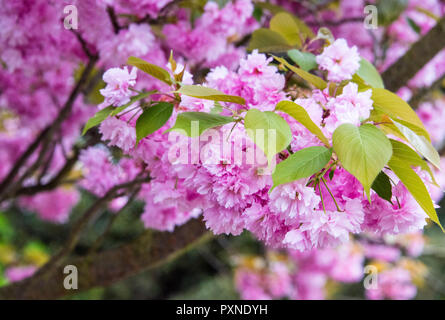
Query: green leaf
{"type": "Point", "coordinates": [404, 153]}
{"type": "Point", "coordinates": [413, 25]}
{"type": "Point", "coordinates": [302, 164]}
{"type": "Point", "coordinates": [272, 125]}
{"type": "Point", "coordinates": [284, 24]}
{"type": "Point", "coordinates": [316, 81]}
{"type": "Point", "coordinates": [415, 186]}
{"type": "Point", "coordinates": [389, 11]}
{"type": "Point", "coordinates": [305, 60]}
{"type": "Point", "coordinates": [100, 116]}
{"type": "Point", "coordinates": [133, 99]}
{"type": "Point", "coordinates": [152, 119]}
{"type": "Point", "coordinates": [396, 108]}
{"type": "Point", "coordinates": [369, 73]}
{"type": "Point", "coordinates": [301, 115]}
{"type": "Point", "coordinates": [382, 186]}
{"type": "Point", "coordinates": [193, 124]}
{"type": "Point", "coordinates": [152, 69]}
{"type": "Point", "coordinates": [420, 143]}
{"type": "Point", "coordinates": [363, 151]}
{"type": "Point", "coordinates": [266, 40]}
{"type": "Point", "coordinates": [209, 94]}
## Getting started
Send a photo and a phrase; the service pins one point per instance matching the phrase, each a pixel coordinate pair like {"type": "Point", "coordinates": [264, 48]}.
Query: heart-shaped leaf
{"type": "Point", "coordinates": [363, 151]}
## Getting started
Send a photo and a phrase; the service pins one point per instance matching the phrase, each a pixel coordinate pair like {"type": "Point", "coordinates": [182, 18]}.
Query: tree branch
{"type": "Point", "coordinates": [420, 53]}
{"type": "Point", "coordinates": [147, 251]}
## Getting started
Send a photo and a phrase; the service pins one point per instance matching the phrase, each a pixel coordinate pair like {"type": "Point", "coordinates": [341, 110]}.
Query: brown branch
{"type": "Point", "coordinates": [101, 269]}
{"type": "Point", "coordinates": [8, 186]}
{"type": "Point", "coordinates": [423, 93]}
{"type": "Point", "coordinates": [83, 221]}
{"type": "Point", "coordinates": [59, 177]}
{"type": "Point", "coordinates": [420, 53]}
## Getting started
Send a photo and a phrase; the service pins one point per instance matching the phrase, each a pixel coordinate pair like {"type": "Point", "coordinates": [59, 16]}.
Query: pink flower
{"type": "Point", "coordinates": [15, 274]}
{"type": "Point", "coordinates": [395, 283]}
{"type": "Point", "coordinates": [54, 206]}
{"type": "Point", "coordinates": [339, 60]}
{"type": "Point", "coordinates": [119, 81]}
{"type": "Point", "coordinates": [403, 216]}
{"type": "Point", "coordinates": [119, 133]}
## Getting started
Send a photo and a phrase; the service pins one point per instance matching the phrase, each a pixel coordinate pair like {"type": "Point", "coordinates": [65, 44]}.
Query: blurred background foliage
{"type": "Point", "coordinates": [205, 271]}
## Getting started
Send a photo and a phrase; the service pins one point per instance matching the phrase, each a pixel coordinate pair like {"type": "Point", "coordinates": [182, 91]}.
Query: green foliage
{"type": "Point", "coordinates": [301, 115]}
{"type": "Point", "coordinates": [111, 111]}
{"type": "Point", "coordinates": [305, 60]}
{"type": "Point", "coordinates": [420, 143]}
{"type": "Point", "coordinates": [100, 116]}
{"type": "Point", "coordinates": [415, 186]}
{"type": "Point", "coordinates": [369, 74]}
{"type": "Point", "coordinates": [266, 40]}
{"type": "Point", "coordinates": [382, 186]}
{"type": "Point", "coordinates": [363, 151]}
{"type": "Point", "coordinates": [285, 32]}
{"type": "Point", "coordinates": [269, 123]}
{"type": "Point", "coordinates": [152, 119]}
{"type": "Point", "coordinates": [410, 157]}
{"type": "Point", "coordinates": [284, 24]}
{"type": "Point", "coordinates": [397, 109]}
{"type": "Point", "coordinates": [302, 164]}
{"type": "Point", "coordinates": [151, 69]}
{"type": "Point", "coordinates": [209, 94]}
{"type": "Point", "coordinates": [389, 11]}
{"type": "Point", "coordinates": [313, 79]}
{"type": "Point", "coordinates": [203, 120]}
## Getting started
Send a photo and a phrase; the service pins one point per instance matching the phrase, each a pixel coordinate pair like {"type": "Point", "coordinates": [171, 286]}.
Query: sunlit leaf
{"type": "Point", "coordinates": [193, 124]}
{"type": "Point", "coordinates": [369, 74]}
{"type": "Point", "coordinates": [363, 151]}
{"type": "Point", "coordinates": [305, 60]}
{"type": "Point", "coordinates": [209, 94]}
{"type": "Point", "coordinates": [263, 127]}
{"type": "Point", "coordinates": [301, 164]}
{"type": "Point", "coordinates": [313, 79]}
{"type": "Point", "coordinates": [415, 186]}
{"type": "Point", "coordinates": [152, 69]}
{"type": "Point", "coordinates": [301, 115]}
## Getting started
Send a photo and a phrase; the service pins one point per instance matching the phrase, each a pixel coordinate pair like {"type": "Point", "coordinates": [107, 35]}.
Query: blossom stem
{"type": "Point", "coordinates": [332, 196]}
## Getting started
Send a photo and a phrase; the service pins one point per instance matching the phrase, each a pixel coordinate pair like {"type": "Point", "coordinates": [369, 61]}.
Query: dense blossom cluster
{"type": "Point", "coordinates": [326, 233]}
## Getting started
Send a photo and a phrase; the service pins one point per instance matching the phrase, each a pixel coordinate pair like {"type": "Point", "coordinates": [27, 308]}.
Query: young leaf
{"type": "Point", "coordinates": [284, 24]}
{"type": "Point", "coordinates": [266, 40]}
{"type": "Point", "coordinates": [316, 81]}
{"type": "Point", "coordinates": [395, 107]}
{"type": "Point", "coordinates": [133, 99]}
{"type": "Point", "coordinates": [404, 153]}
{"type": "Point", "coordinates": [152, 119]}
{"type": "Point", "coordinates": [420, 143]}
{"type": "Point", "coordinates": [152, 69]}
{"type": "Point", "coordinates": [209, 94]}
{"type": "Point", "coordinates": [302, 164]}
{"type": "Point", "coordinates": [186, 121]}
{"type": "Point", "coordinates": [363, 151]}
{"type": "Point", "coordinates": [369, 74]}
{"type": "Point", "coordinates": [270, 123]}
{"type": "Point", "coordinates": [305, 60]}
{"type": "Point", "coordinates": [382, 186]}
{"type": "Point", "coordinates": [100, 116]}
{"type": "Point", "coordinates": [301, 115]}
{"type": "Point", "coordinates": [415, 186]}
